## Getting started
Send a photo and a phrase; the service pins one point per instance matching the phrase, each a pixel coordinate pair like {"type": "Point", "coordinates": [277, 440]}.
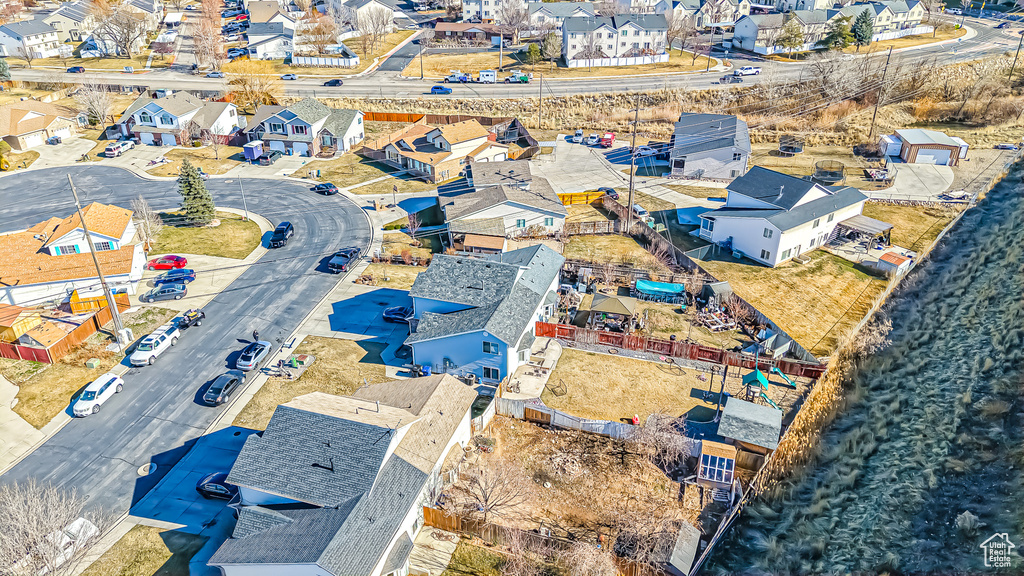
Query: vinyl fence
{"type": "Point", "coordinates": [535, 411]}
{"type": "Point", "coordinates": [325, 61]}
{"type": "Point", "coordinates": [634, 61]}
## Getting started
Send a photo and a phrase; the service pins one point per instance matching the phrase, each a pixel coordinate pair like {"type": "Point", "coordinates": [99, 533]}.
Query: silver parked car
{"type": "Point", "coordinates": [253, 355]}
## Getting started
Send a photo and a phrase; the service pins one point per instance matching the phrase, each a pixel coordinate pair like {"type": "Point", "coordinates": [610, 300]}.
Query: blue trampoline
{"type": "Point", "coordinates": [659, 291]}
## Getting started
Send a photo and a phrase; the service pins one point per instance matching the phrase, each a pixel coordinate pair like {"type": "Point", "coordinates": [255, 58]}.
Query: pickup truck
{"type": "Point", "coordinates": [341, 260]}
{"type": "Point", "coordinates": [518, 77]}
{"type": "Point", "coordinates": [747, 71]}
{"type": "Point", "coordinates": [191, 318]}
{"type": "Point", "coordinates": [457, 76]}
{"type": "Point", "coordinates": [155, 344]}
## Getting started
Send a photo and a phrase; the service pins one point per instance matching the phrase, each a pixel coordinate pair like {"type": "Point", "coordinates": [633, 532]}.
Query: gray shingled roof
{"type": "Point", "coordinates": [702, 132]}
{"type": "Point", "coordinates": [751, 423]}
{"type": "Point", "coordinates": [27, 28]}
{"type": "Point", "coordinates": [591, 23]}
{"type": "Point", "coordinates": [77, 11]}
{"type": "Point", "coordinates": [336, 459]}
{"type": "Point", "coordinates": [309, 110]}
{"type": "Point", "coordinates": [840, 197]}
{"type": "Point", "coordinates": [340, 120]}
{"type": "Point", "coordinates": [496, 183]}
{"type": "Point", "coordinates": [774, 188]}
{"type": "Point", "coordinates": [256, 519]}
{"type": "Point", "coordinates": [483, 226]}
{"type": "Point", "coordinates": [178, 103]}
{"type": "Point", "coordinates": [268, 29]}
{"type": "Point", "coordinates": [262, 113]}
{"type": "Point", "coordinates": [504, 309]}
{"type": "Point", "coordinates": [399, 554]}
{"type": "Point", "coordinates": [302, 539]}
{"type": "Point", "coordinates": [511, 172]}
{"type": "Point", "coordinates": [561, 9]}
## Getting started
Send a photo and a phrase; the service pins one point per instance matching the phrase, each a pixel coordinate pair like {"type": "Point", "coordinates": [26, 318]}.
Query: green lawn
{"type": "Point", "coordinates": [470, 560]}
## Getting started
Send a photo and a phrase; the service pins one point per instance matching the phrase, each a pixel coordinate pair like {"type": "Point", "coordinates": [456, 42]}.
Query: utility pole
{"type": "Point", "coordinates": [1014, 65]}
{"type": "Point", "coordinates": [878, 97]}
{"type": "Point", "coordinates": [540, 103]}
{"type": "Point", "coordinates": [421, 59]}
{"type": "Point", "coordinates": [244, 205]}
{"type": "Point", "coordinates": [115, 314]}
{"type": "Point", "coordinates": [501, 50]}
{"type": "Point", "coordinates": [632, 165]}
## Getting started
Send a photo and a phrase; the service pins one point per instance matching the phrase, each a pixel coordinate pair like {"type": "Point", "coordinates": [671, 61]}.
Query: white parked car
{"type": "Point", "coordinates": [232, 38]}
{"type": "Point", "coordinates": [578, 137]}
{"type": "Point", "coordinates": [96, 393]}
{"type": "Point", "coordinates": [155, 344]}
{"type": "Point", "coordinates": [61, 547]}
{"type": "Point", "coordinates": [645, 151]}
{"type": "Point", "coordinates": [593, 140]}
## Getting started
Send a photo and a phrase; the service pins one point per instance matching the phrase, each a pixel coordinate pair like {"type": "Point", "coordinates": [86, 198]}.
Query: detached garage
{"type": "Point", "coordinates": [919, 146]}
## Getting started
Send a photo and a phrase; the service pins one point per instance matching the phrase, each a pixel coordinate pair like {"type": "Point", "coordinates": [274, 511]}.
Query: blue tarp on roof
{"type": "Point", "coordinates": [651, 287]}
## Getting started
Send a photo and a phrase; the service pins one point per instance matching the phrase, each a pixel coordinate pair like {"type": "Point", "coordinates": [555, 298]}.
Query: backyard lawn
{"type": "Point", "coordinates": [697, 191]}
{"type": "Point", "coordinates": [210, 161]}
{"type": "Point", "coordinates": [584, 213]}
{"type": "Point", "coordinates": [400, 242]}
{"type": "Point", "coordinates": [148, 551]}
{"type": "Point", "coordinates": [233, 238]}
{"type": "Point", "coordinates": [766, 155]}
{"type": "Point", "coordinates": [399, 277]}
{"type": "Point", "coordinates": [814, 303]}
{"type": "Point", "coordinates": [914, 227]}
{"type": "Point", "coordinates": [470, 560]}
{"type": "Point", "coordinates": [436, 66]}
{"type": "Point", "coordinates": [611, 248]}
{"type": "Point", "coordinates": [352, 169]}
{"type": "Point", "coordinates": [340, 368]}
{"type": "Point", "coordinates": [46, 390]}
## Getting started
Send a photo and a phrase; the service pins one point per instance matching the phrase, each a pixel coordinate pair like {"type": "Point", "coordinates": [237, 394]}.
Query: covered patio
{"type": "Point", "coordinates": [864, 232]}
{"type": "Point", "coordinates": [608, 312]}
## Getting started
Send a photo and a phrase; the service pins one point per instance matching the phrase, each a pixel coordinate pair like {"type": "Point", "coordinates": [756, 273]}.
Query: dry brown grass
{"type": "Point", "coordinates": [352, 169]}
{"type": "Point", "coordinates": [942, 34]}
{"type": "Point", "coordinates": [814, 303]}
{"type": "Point", "coordinates": [399, 277]}
{"type": "Point", "coordinates": [205, 158]}
{"type": "Point", "coordinates": [697, 191]}
{"type": "Point", "coordinates": [365, 60]}
{"type": "Point", "coordinates": [612, 248]}
{"type": "Point", "coordinates": [137, 61]}
{"type": "Point", "coordinates": [45, 391]}
{"type": "Point", "coordinates": [584, 213]}
{"type": "Point", "coordinates": [914, 227]}
{"type": "Point", "coordinates": [341, 367]}
{"type": "Point", "coordinates": [437, 66]}
{"type": "Point", "coordinates": [148, 551]}
{"type": "Point", "coordinates": [664, 320]}
{"type": "Point", "coordinates": [232, 238]}
{"type": "Point", "coordinates": [22, 159]}
{"type": "Point", "coordinates": [16, 94]}
{"type": "Point", "coordinates": [400, 242]}
{"type": "Point", "coordinates": [765, 155]}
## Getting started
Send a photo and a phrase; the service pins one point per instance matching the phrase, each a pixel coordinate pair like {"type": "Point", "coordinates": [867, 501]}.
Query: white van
{"type": "Point", "coordinates": [578, 137]}
{"type": "Point", "coordinates": [640, 213]}
{"type": "Point", "coordinates": [118, 148]}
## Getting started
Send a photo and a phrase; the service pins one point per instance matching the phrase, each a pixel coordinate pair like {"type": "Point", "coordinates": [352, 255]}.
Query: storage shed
{"type": "Point", "coordinates": [893, 264]}
{"type": "Point", "coordinates": [919, 146]}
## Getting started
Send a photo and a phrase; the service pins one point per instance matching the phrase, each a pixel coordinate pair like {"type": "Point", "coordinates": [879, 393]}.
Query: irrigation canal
{"type": "Point", "coordinates": [924, 462]}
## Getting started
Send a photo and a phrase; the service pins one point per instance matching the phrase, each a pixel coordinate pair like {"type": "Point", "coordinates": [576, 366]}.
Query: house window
{"type": "Point", "coordinates": [717, 468]}
{"type": "Point", "coordinates": [101, 246]}
{"type": "Point", "coordinates": [625, 32]}
{"type": "Point", "coordinates": [326, 139]}
{"type": "Point", "coordinates": [521, 223]}
{"type": "Point", "coordinates": [573, 46]}
{"type": "Point", "coordinates": [491, 373]}
{"type": "Point", "coordinates": [830, 216]}
{"type": "Point", "coordinates": [816, 222]}
{"type": "Point", "coordinates": [491, 348]}
{"type": "Point", "coordinates": [145, 117]}
{"type": "Point", "coordinates": [549, 221]}
{"type": "Point", "coordinates": [736, 157]}
{"type": "Point", "coordinates": [166, 120]}
{"type": "Point", "coordinates": [298, 129]}
{"type": "Point", "coordinates": [72, 249]}
{"type": "Point", "coordinates": [766, 255]}
{"type": "Point", "coordinates": [768, 232]}
{"type": "Point", "coordinates": [785, 254]}
{"type": "Point", "coordinates": [811, 243]}
{"type": "Point", "coordinates": [734, 173]}
{"type": "Point", "coordinates": [275, 127]}
{"type": "Point", "coordinates": [708, 225]}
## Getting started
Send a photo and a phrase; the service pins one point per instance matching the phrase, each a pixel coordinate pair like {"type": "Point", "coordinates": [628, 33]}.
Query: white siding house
{"type": "Point", "coordinates": [34, 38]}
{"type": "Point", "coordinates": [772, 217]}
{"type": "Point", "coordinates": [709, 146]}
{"type": "Point", "coordinates": [622, 36]}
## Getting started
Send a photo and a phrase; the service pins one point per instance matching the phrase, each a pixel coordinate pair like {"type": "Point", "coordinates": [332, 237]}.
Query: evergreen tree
{"type": "Point", "coordinates": [837, 34]}
{"type": "Point", "coordinates": [5, 70]}
{"type": "Point", "coordinates": [533, 54]}
{"type": "Point", "coordinates": [863, 29]}
{"type": "Point", "coordinates": [196, 200]}
{"type": "Point", "coordinates": [792, 36]}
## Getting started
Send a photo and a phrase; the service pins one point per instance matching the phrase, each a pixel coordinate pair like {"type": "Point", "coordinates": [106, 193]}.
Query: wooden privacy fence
{"type": "Point", "coordinates": [571, 198]}
{"type": "Point", "coordinates": [62, 347]}
{"type": "Point", "coordinates": [536, 411]}
{"type": "Point", "coordinates": [81, 305]}
{"type": "Point", "coordinates": [393, 117]}
{"type": "Point", "coordinates": [676, 349]}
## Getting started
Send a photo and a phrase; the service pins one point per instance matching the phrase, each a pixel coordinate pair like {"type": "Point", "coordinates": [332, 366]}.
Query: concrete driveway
{"type": "Point", "coordinates": [577, 167]}
{"type": "Point", "coordinates": [918, 182]}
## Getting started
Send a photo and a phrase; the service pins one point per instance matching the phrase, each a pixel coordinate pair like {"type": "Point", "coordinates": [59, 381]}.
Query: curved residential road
{"type": "Point", "coordinates": [157, 415]}
{"type": "Point", "coordinates": [387, 82]}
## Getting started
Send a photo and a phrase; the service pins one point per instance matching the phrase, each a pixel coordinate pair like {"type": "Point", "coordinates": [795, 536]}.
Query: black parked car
{"type": "Point", "coordinates": [326, 188]}
{"type": "Point", "coordinates": [76, 69]}
{"type": "Point", "coordinates": [341, 260]}
{"type": "Point", "coordinates": [270, 157]}
{"type": "Point", "coordinates": [609, 192]}
{"type": "Point", "coordinates": [282, 233]}
{"type": "Point", "coordinates": [215, 485]}
{"type": "Point", "coordinates": [398, 314]}
{"type": "Point", "coordinates": [333, 82]}
{"type": "Point", "coordinates": [222, 388]}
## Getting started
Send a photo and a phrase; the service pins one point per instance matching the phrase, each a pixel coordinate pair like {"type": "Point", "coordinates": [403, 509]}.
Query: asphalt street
{"type": "Point", "coordinates": [158, 414]}
{"type": "Point", "coordinates": [387, 81]}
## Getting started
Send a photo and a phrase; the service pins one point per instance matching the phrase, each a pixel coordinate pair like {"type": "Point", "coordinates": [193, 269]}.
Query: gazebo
{"type": "Point", "coordinates": [613, 312]}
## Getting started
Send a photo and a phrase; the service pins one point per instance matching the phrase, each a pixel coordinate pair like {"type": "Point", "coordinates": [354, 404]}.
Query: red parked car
{"type": "Point", "coordinates": [241, 17]}
{"type": "Point", "coordinates": [167, 263]}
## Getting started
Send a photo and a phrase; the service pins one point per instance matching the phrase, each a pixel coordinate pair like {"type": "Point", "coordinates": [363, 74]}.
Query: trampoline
{"type": "Point", "coordinates": [659, 291]}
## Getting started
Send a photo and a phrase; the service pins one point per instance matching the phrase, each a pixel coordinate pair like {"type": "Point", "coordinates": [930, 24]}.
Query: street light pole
{"type": "Point", "coordinates": [244, 205]}
{"type": "Point", "coordinates": [540, 102]}
{"type": "Point", "coordinates": [421, 59]}
{"type": "Point", "coordinates": [114, 312]}
{"type": "Point", "coordinates": [1014, 65]}
{"type": "Point", "coordinates": [632, 165]}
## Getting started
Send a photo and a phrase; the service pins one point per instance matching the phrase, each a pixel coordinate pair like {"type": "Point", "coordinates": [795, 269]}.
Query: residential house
{"type": "Point", "coordinates": [26, 124]}
{"type": "Point", "coordinates": [480, 10]}
{"type": "Point", "coordinates": [51, 260]}
{"type": "Point", "coordinates": [152, 11]}
{"type": "Point", "coordinates": [889, 16]}
{"type": "Point", "coordinates": [73, 21]}
{"type": "Point", "coordinates": [467, 33]}
{"type": "Point", "coordinates": [549, 16]}
{"type": "Point", "coordinates": [709, 146]}
{"type": "Point", "coordinates": [15, 321]}
{"type": "Point", "coordinates": [790, 5]}
{"type": "Point", "coordinates": [919, 146]}
{"type": "Point", "coordinates": [477, 316]}
{"type": "Point", "coordinates": [507, 190]}
{"type": "Point", "coordinates": [369, 11]}
{"type": "Point", "coordinates": [266, 11]}
{"type": "Point", "coordinates": [721, 13]}
{"type": "Point", "coordinates": [760, 32]}
{"type": "Point", "coordinates": [438, 153]}
{"type": "Point", "coordinates": [34, 38]}
{"type": "Point", "coordinates": [271, 40]}
{"type": "Point", "coordinates": [306, 128]}
{"type": "Point", "coordinates": [336, 485]}
{"type": "Point", "coordinates": [177, 118]}
{"type": "Point", "coordinates": [771, 217]}
{"type": "Point", "coordinates": [622, 36]}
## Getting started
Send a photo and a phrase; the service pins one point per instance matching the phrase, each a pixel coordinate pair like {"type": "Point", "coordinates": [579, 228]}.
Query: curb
{"type": "Point", "coordinates": [382, 59]}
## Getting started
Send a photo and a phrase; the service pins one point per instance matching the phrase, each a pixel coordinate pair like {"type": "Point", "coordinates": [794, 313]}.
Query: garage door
{"type": "Point", "coordinates": [940, 157]}
{"type": "Point", "coordinates": [300, 149]}
{"type": "Point", "coordinates": [146, 138]}
{"type": "Point", "coordinates": [64, 132]}
{"type": "Point", "coordinates": [168, 139]}
{"type": "Point", "coordinates": [277, 145]}
{"type": "Point", "coordinates": [33, 140]}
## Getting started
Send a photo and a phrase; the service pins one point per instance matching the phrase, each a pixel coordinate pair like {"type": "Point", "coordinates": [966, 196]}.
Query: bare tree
{"type": "Point", "coordinates": [95, 101]}
{"type": "Point", "coordinates": [497, 488]}
{"type": "Point", "coordinates": [520, 559]}
{"type": "Point", "coordinates": [741, 312]}
{"type": "Point", "coordinates": [694, 285]}
{"type": "Point", "coordinates": [512, 17]}
{"type": "Point", "coordinates": [643, 528]}
{"type": "Point", "coordinates": [45, 529]}
{"type": "Point", "coordinates": [376, 22]}
{"type": "Point", "coordinates": [414, 228]}
{"type": "Point", "coordinates": [591, 50]}
{"type": "Point", "coordinates": [206, 36]}
{"type": "Point", "coordinates": [25, 54]}
{"type": "Point", "coordinates": [147, 221]}
{"type": "Point", "coordinates": [607, 8]}
{"type": "Point", "coordinates": [212, 140]}
{"type": "Point", "coordinates": [254, 83]}
{"type": "Point", "coordinates": [661, 439]}
{"type": "Point", "coordinates": [681, 29]}
{"type": "Point", "coordinates": [583, 559]}
{"type": "Point", "coordinates": [318, 32]}
{"type": "Point", "coordinates": [120, 26]}
{"type": "Point", "coordinates": [10, 10]}
{"type": "Point", "coordinates": [832, 73]}
{"type": "Point", "coordinates": [177, 4]}
{"type": "Point", "coordinates": [551, 47]}
{"type": "Point", "coordinates": [302, 5]}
